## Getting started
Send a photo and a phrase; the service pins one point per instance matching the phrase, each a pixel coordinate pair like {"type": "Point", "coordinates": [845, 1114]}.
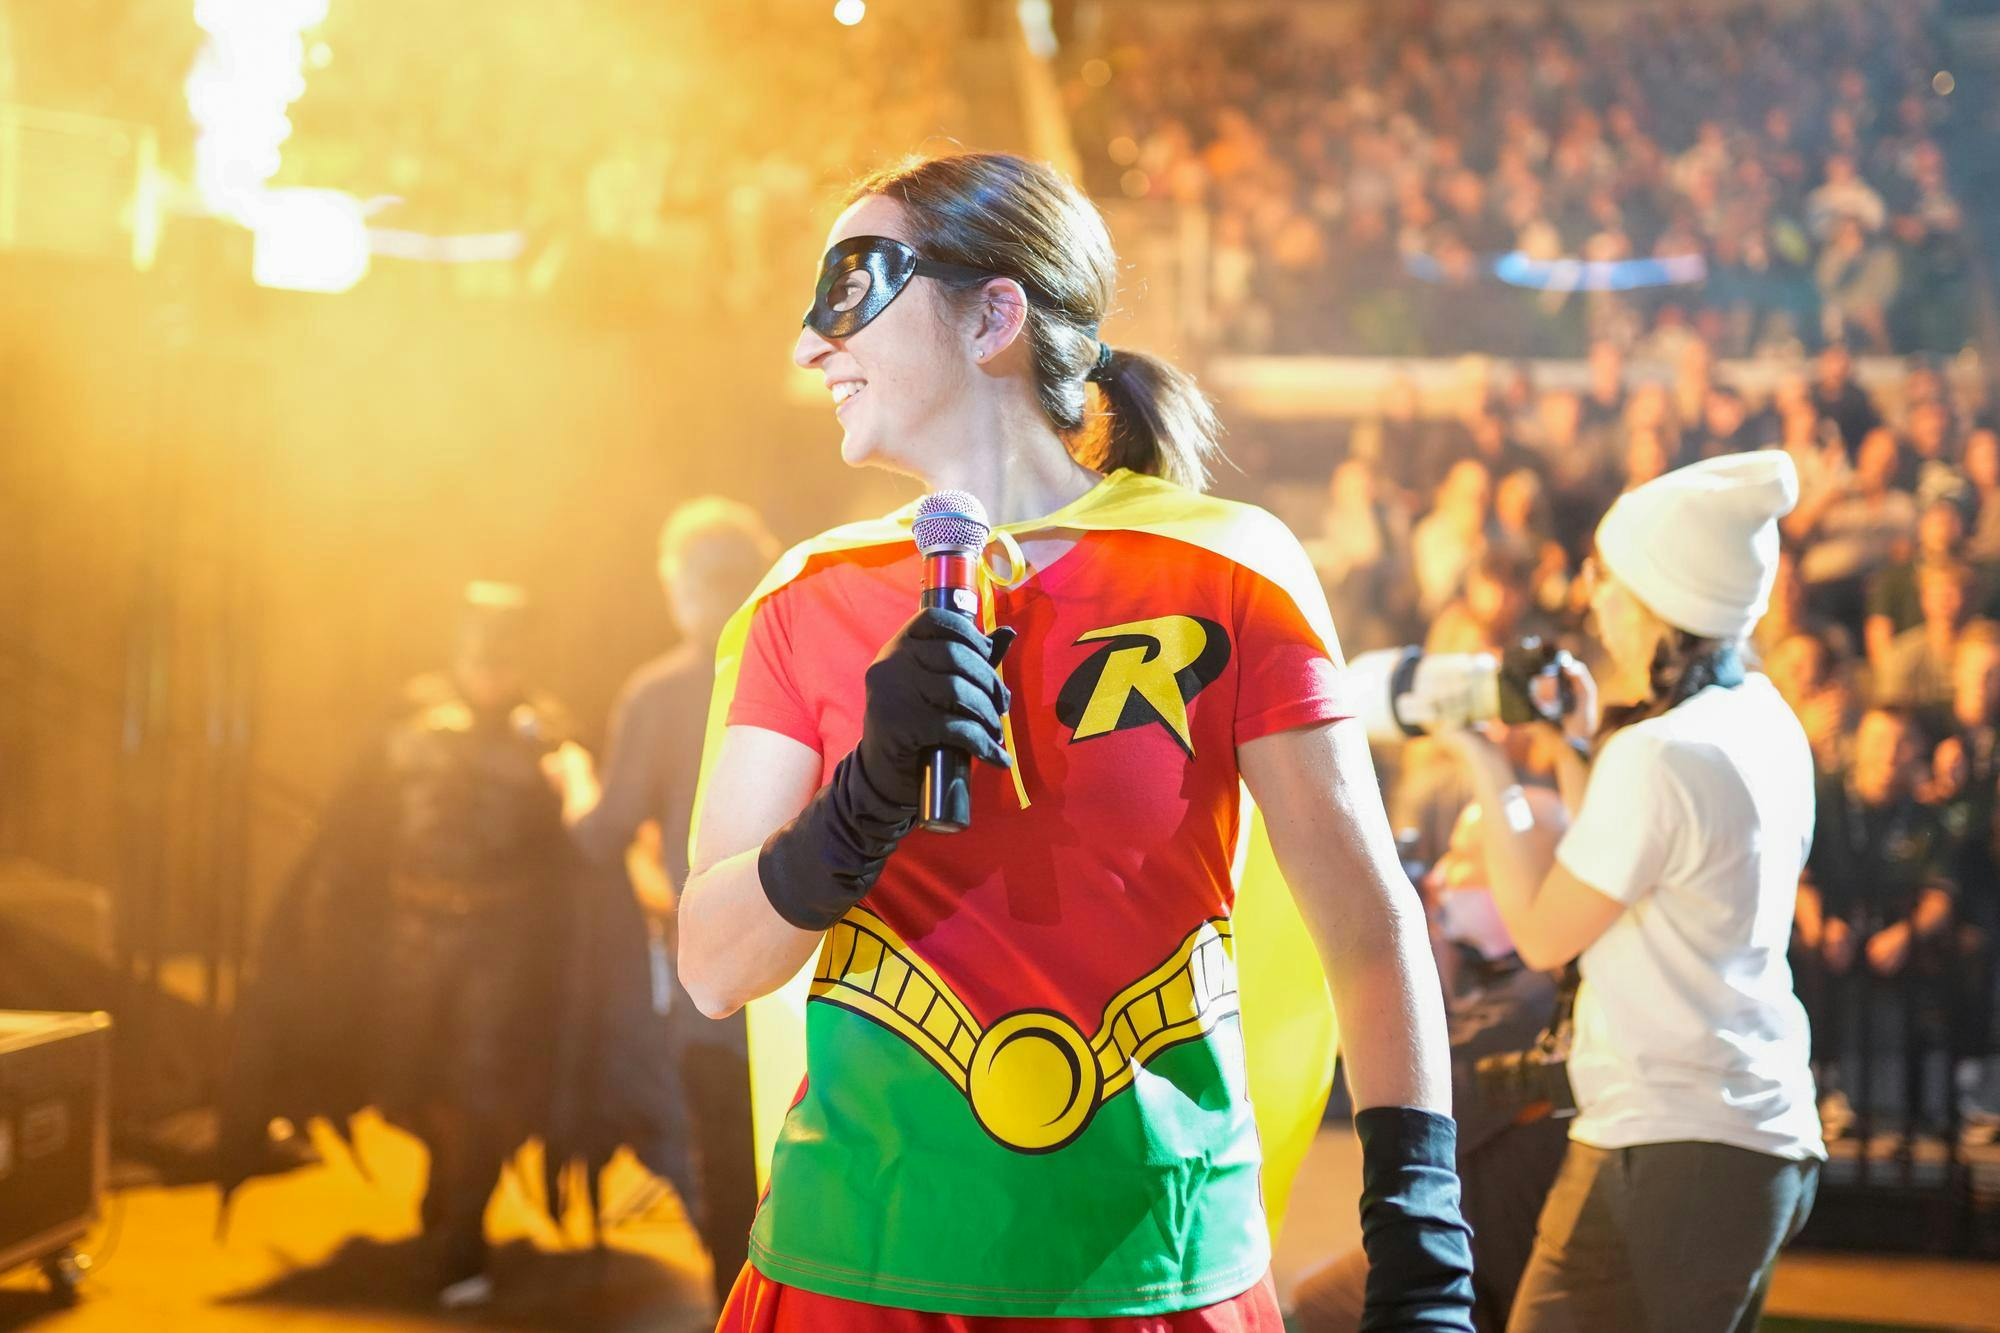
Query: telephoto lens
{"type": "Point", "coordinates": [1405, 692]}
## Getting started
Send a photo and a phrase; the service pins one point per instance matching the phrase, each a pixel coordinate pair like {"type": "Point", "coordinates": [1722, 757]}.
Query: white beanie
{"type": "Point", "coordinates": [1699, 546]}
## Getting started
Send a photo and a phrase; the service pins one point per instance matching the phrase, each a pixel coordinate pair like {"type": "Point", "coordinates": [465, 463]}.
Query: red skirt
{"type": "Point", "coordinates": [759, 1305]}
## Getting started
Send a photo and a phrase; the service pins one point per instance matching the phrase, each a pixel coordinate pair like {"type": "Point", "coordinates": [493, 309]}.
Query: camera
{"type": "Point", "coordinates": [1534, 1083]}
{"type": "Point", "coordinates": [1404, 692]}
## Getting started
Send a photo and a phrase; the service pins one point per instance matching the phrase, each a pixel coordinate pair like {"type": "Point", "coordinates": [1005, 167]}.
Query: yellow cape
{"type": "Point", "coordinates": [1288, 1022]}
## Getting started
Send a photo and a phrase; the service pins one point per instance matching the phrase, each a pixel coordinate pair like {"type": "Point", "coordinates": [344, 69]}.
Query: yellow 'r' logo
{"type": "Point", "coordinates": [1147, 671]}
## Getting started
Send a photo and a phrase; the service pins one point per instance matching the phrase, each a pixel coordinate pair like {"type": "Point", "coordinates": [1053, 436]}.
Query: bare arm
{"type": "Point", "coordinates": [654, 888]}
{"type": "Point", "coordinates": [734, 946]}
{"type": "Point", "coordinates": [604, 814]}
{"type": "Point", "coordinates": [1323, 808]}
{"type": "Point", "coordinates": [1552, 915]}
{"type": "Point", "coordinates": [1572, 778]}
{"type": "Point", "coordinates": [1577, 732]}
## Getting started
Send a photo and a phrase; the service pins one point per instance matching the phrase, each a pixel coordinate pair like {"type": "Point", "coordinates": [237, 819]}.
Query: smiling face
{"type": "Point", "coordinates": [896, 382]}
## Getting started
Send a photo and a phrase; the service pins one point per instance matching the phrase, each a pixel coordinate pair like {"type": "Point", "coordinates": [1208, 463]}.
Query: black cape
{"type": "Point", "coordinates": [597, 1067]}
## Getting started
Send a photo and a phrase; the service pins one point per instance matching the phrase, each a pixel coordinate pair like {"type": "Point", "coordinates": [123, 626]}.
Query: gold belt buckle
{"type": "Point", "coordinates": [1033, 1078]}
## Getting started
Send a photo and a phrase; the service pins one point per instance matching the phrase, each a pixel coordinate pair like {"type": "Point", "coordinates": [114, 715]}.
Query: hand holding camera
{"type": "Point", "coordinates": [1572, 699]}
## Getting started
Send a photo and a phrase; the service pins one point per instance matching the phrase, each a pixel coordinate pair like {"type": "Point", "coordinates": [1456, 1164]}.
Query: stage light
{"type": "Point", "coordinates": [850, 12]}
{"type": "Point", "coordinates": [309, 241]}
{"type": "Point", "coordinates": [249, 71]}
{"type": "Point", "coordinates": [1038, 27]}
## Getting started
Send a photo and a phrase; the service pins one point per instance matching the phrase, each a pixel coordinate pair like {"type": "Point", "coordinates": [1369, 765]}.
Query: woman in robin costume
{"type": "Point", "coordinates": [1027, 1099]}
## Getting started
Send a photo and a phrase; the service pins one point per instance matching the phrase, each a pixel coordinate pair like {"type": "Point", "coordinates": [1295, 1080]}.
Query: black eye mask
{"type": "Point", "coordinates": [863, 274]}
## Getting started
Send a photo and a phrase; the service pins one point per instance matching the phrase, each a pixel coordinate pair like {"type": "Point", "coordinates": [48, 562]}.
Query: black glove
{"type": "Point", "coordinates": [1418, 1245]}
{"type": "Point", "coordinates": [937, 683]}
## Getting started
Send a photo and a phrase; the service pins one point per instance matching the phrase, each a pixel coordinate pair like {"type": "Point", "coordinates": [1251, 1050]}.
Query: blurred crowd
{"type": "Point", "coordinates": [1473, 531]}
{"type": "Point", "coordinates": [1358, 187]}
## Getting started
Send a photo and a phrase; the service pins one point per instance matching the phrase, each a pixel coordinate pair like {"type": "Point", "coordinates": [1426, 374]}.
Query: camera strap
{"type": "Point", "coordinates": [1555, 1037]}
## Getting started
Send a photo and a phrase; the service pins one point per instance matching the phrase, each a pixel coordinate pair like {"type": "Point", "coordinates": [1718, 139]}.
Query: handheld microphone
{"type": "Point", "coordinates": [951, 533]}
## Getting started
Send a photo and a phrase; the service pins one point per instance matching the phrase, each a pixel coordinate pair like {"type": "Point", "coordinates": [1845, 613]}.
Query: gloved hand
{"type": "Point", "coordinates": [937, 683]}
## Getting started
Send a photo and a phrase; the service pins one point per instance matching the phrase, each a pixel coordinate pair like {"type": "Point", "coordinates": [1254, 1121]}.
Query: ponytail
{"type": "Point", "coordinates": [1156, 421]}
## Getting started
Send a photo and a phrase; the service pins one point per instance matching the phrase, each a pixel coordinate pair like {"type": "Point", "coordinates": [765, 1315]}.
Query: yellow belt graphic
{"type": "Point", "coordinates": [1033, 1078]}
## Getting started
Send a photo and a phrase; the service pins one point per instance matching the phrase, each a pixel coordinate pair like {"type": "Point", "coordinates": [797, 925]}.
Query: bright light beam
{"type": "Point", "coordinates": [244, 80]}
{"type": "Point", "coordinates": [240, 92]}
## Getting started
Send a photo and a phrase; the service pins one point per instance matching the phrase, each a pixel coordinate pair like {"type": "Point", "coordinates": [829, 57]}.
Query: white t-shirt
{"type": "Point", "coordinates": [1699, 821]}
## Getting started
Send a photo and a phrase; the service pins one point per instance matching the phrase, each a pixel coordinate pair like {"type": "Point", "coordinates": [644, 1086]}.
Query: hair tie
{"type": "Point", "coordinates": [1101, 371]}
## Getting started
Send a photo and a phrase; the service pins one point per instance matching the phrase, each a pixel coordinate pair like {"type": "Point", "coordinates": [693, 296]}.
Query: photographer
{"type": "Point", "coordinates": [1695, 1151]}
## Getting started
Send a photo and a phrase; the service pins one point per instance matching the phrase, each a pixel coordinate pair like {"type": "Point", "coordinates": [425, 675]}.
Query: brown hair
{"type": "Point", "coordinates": [1006, 215]}
{"type": "Point", "coordinates": [1684, 664]}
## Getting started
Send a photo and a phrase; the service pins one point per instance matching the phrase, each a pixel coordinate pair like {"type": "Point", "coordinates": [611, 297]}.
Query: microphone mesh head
{"type": "Point", "coordinates": [951, 521]}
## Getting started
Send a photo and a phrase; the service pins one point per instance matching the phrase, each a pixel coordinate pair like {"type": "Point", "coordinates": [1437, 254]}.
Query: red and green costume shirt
{"type": "Point", "coordinates": [1026, 1086]}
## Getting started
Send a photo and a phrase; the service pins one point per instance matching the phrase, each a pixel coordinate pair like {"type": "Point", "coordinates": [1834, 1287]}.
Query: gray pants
{"type": "Point", "coordinates": [1670, 1237]}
